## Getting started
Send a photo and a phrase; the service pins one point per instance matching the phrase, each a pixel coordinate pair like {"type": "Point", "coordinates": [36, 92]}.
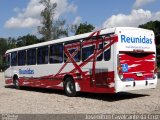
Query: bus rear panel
{"type": "Point", "coordinates": [136, 60]}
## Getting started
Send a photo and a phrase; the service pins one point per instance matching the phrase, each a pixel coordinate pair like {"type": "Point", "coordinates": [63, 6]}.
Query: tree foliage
{"type": "Point", "coordinates": [155, 26]}
{"type": "Point", "coordinates": [47, 15]}
{"type": "Point", "coordinates": [3, 45]}
{"type": "Point", "coordinates": [84, 28]}
{"type": "Point", "coordinates": [50, 28]}
{"type": "Point", "coordinates": [27, 40]}
{"type": "Point", "coordinates": [3, 48]}
{"type": "Point", "coordinates": [11, 43]}
{"type": "Point", "coordinates": [58, 29]}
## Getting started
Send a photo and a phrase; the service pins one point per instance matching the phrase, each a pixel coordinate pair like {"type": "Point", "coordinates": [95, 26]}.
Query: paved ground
{"type": "Point", "coordinates": [42, 101]}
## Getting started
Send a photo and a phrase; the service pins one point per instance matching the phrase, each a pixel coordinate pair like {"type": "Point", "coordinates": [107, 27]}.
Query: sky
{"type": "Point", "coordinates": [22, 17]}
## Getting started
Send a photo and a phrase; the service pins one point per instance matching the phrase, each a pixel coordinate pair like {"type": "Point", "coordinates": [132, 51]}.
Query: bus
{"type": "Point", "coordinates": [111, 60]}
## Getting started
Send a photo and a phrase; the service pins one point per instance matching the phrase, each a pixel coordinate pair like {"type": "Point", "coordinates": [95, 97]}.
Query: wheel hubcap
{"type": "Point", "coordinates": [70, 87]}
{"type": "Point", "coordinates": [16, 83]}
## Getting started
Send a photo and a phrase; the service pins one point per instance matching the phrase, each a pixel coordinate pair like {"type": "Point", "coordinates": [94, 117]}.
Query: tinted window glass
{"type": "Point", "coordinates": [89, 46]}
{"type": "Point", "coordinates": [13, 58]}
{"type": "Point", "coordinates": [22, 57]}
{"type": "Point", "coordinates": [100, 56]}
{"type": "Point", "coordinates": [42, 55]}
{"type": "Point", "coordinates": [88, 49]}
{"type": "Point", "coordinates": [107, 52]}
{"type": "Point", "coordinates": [74, 49]}
{"type": "Point", "coordinates": [56, 53]}
{"type": "Point", "coordinates": [31, 56]}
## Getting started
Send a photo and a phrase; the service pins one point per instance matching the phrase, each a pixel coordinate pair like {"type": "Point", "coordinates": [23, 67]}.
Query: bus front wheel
{"type": "Point", "coordinates": [16, 82]}
{"type": "Point", "coordinates": [69, 87]}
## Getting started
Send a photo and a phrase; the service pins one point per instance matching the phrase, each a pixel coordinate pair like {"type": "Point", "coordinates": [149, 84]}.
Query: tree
{"type": "Point", "coordinates": [58, 29]}
{"type": "Point", "coordinates": [3, 48]}
{"type": "Point", "coordinates": [51, 29]}
{"type": "Point", "coordinates": [11, 43]}
{"type": "Point", "coordinates": [155, 26]}
{"type": "Point", "coordinates": [27, 40]}
{"type": "Point", "coordinates": [47, 15]}
{"type": "Point", "coordinates": [84, 28]}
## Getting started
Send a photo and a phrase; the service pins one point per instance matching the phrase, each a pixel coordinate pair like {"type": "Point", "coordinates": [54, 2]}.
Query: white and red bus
{"type": "Point", "coordinates": [106, 61]}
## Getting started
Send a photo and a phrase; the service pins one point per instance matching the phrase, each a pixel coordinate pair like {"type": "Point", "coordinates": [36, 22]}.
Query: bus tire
{"type": "Point", "coordinates": [69, 87]}
{"type": "Point", "coordinates": [16, 82]}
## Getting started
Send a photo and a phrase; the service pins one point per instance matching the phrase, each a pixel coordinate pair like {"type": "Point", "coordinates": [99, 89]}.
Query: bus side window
{"type": "Point", "coordinates": [100, 47]}
{"type": "Point", "coordinates": [56, 53]}
{"type": "Point", "coordinates": [87, 49]}
{"type": "Point", "coordinates": [107, 52]}
{"type": "Point", "coordinates": [22, 57]}
{"type": "Point", "coordinates": [13, 58]}
{"type": "Point", "coordinates": [73, 48]}
{"type": "Point", "coordinates": [42, 55]}
{"type": "Point", "coordinates": [31, 56]}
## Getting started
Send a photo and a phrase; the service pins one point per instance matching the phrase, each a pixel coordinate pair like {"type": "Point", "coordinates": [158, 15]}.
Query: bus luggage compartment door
{"type": "Point", "coordinates": [101, 77]}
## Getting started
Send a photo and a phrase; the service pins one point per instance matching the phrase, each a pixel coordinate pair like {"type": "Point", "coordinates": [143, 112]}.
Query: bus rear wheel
{"type": "Point", "coordinates": [69, 87]}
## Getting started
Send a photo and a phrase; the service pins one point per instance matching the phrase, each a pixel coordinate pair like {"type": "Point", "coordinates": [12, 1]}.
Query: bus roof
{"type": "Point", "coordinates": [76, 37]}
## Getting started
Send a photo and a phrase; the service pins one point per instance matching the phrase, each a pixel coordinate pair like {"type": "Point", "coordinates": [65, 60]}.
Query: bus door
{"type": "Point", "coordinates": [7, 62]}
{"type": "Point", "coordinates": [103, 66]}
{"type": "Point", "coordinates": [14, 62]}
{"type": "Point", "coordinates": [94, 51]}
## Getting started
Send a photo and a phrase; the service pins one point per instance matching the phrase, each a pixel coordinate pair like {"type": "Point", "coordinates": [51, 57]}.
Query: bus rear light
{"type": "Point", "coordinates": [119, 68]}
{"type": "Point", "coordinates": [155, 71]}
{"type": "Point", "coordinates": [121, 76]}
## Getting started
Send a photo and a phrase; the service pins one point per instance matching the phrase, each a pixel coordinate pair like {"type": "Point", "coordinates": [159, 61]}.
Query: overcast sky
{"type": "Point", "coordinates": [20, 17]}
